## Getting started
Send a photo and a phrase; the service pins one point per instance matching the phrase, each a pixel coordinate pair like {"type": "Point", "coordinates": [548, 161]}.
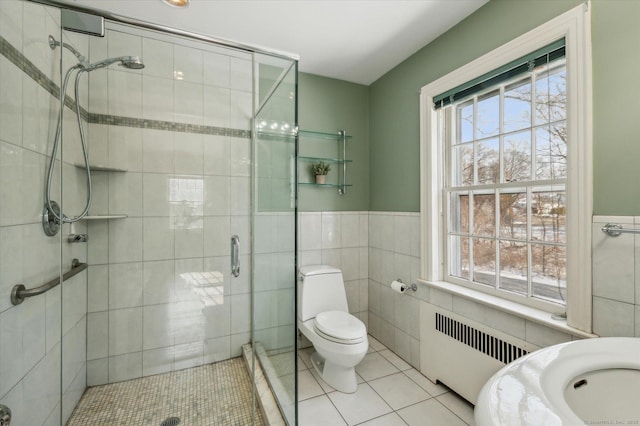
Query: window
{"type": "Point", "coordinates": [505, 187]}
{"type": "Point", "coordinates": [506, 171]}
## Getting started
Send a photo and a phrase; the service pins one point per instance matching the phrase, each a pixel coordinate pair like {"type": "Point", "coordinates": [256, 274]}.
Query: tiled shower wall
{"type": "Point", "coordinates": [616, 278]}
{"type": "Point", "coordinates": [161, 296]}
{"type": "Point", "coordinates": [32, 351]}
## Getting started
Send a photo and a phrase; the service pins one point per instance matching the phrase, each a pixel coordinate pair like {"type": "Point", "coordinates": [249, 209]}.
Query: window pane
{"type": "Point", "coordinates": [484, 261]}
{"type": "Point", "coordinates": [513, 266]}
{"type": "Point", "coordinates": [459, 256]}
{"type": "Point", "coordinates": [484, 214]}
{"type": "Point", "coordinates": [551, 152]}
{"type": "Point", "coordinates": [551, 94]}
{"type": "Point", "coordinates": [488, 115]}
{"type": "Point", "coordinates": [513, 215]}
{"type": "Point", "coordinates": [464, 119]}
{"type": "Point", "coordinates": [548, 268]}
{"type": "Point", "coordinates": [517, 156]}
{"type": "Point", "coordinates": [459, 209]}
{"type": "Point", "coordinates": [488, 158]}
{"type": "Point", "coordinates": [548, 217]}
{"type": "Point", "coordinates": [517, 106]}
{"type": "Point", "coordinates": [462, 165]}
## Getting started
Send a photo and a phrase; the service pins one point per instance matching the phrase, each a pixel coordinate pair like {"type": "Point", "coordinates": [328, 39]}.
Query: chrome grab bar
{"type": "Point", "coordinates": [614, 230]}
{"type": "Point", "coordinates": [20, 292]}
{"type": "Point", "coordinates": [235, 256]}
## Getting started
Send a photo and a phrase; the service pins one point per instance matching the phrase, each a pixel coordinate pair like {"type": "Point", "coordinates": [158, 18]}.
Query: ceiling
{"type": "Point", "coordinates": [352, 40]}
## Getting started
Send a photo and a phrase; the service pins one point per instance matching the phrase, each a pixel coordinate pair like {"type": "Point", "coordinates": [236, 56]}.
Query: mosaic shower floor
{"type": "Point", "coordinates": [214, 394]}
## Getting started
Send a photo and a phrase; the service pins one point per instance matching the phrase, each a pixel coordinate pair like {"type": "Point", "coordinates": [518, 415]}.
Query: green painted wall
{"type": "Point", "coordinates": [329, 105]}
{"type": "Point", "coordinates": [394, 98]}
{"type": "Point", "coordinates": [616, 109]}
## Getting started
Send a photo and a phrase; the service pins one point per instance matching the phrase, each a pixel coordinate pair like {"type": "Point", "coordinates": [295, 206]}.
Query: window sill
{"type": "Point", "coordinates": [517, 309]}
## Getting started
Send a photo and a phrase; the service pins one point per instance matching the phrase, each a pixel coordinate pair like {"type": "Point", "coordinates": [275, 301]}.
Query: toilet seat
{"type": "Point", "coordinates": [340, 327]}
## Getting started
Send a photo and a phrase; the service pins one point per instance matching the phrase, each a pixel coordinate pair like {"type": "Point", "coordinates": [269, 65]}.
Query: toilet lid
{"type": "Point", "coordinates": [340, 325]}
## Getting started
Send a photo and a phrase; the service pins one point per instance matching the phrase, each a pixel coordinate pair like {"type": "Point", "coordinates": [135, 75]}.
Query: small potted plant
{"type": "Point", "coordinates": [320, 171]}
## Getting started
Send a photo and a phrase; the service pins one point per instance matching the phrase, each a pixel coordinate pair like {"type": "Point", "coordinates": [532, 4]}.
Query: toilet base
{"type": "Point", "coordinates": [340, 378]}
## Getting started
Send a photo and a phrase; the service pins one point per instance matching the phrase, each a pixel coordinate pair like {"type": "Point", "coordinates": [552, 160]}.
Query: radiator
{"type": "Point", "coordinates": [461, 353]}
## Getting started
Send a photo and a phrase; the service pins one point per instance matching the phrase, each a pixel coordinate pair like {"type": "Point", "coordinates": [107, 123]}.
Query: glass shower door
{"type": "Point", "coordinates": [274, 228]}
{"type": "Point", "coordinates": [30, 338]}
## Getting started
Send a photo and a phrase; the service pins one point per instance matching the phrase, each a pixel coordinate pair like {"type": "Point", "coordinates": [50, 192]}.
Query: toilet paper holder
{"type": "Point", "coordinates": [412, 286]}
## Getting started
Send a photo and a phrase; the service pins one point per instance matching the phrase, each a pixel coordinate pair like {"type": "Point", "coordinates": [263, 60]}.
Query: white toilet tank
{"type": "Point", "coordinates": [321, 289]}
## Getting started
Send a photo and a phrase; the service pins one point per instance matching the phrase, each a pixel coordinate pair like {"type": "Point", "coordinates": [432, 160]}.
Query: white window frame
{"type": "Point", "coordinates": [574, 26]}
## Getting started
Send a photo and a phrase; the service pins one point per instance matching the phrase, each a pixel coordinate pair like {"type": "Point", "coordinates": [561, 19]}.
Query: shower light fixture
{"type": "Point", "coordinates": [177, 3]}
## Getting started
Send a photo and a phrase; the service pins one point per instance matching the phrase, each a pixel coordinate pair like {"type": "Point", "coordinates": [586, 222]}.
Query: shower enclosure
{"type": "Point", "coordinates": [193, 151]}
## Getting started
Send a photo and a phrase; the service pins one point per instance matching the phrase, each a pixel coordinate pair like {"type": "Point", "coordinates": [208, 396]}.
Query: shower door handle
{"type": "Point", "coordinates": [235, 256]}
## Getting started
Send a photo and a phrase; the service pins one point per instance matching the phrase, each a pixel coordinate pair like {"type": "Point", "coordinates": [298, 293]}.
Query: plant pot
{"type": "Point", "coordinates": [321, 179]}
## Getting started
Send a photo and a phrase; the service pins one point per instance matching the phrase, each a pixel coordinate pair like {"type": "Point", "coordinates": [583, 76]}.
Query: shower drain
{"type": "Point", "coordinates": [171, 421]}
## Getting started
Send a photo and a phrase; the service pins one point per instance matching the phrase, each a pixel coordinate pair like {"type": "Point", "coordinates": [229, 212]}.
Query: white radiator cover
{"type": "Point", "coordinates": [461, 353]}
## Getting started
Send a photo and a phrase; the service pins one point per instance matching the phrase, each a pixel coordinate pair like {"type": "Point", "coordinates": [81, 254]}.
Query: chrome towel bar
{"type": "Point", "coordinates": [613, 230]}
{"type": "Point", "coordinates": [20, 292]}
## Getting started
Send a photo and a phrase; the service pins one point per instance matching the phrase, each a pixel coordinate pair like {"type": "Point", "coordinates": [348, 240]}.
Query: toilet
{"type": "Point", "coordinates": [339, 339]}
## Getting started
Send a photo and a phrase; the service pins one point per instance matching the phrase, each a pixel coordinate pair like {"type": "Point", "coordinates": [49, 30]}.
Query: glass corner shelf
{"type": "Point", "coordinates": [326, 160]}
{"type": "Point", "coordinates": [323, 135]}
{"type": "Point", "coordinates": [325, 185]}
{"type": "Point", "coordinates": [105, 216]}
{"type": "Point", "coordinates": [100, 168]}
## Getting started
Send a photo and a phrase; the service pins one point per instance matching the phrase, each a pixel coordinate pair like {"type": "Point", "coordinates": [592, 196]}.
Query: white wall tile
{"type": "Point", "coordinates": [216, 155]}
{"type": "Point", "coordinates": [125, 367]}
{"type": "Point", "coordinates": [240, 153]}
{"type": "Point", "coordinates": [613, 318]}
{"type": "Point", "coordinates": [157, 151]}
{"type": "Point", "coordinates": [155, 194]}
{"type": "Point", "coordinates": [125, 285]}
{"type": "Point", "coordinates": [158, 326]}
{"type": "Point", "coordinates": [125, 148]}
{"type": "Point", "coordinates": [331, 230]}
{"type": "Point", "coordinates": [216, 106]}
{"type": "Point", "coordinates": [216, 69]}
{"type": "Point", "coordinates": [189, 62]}
{"type": "Point", "coordinates": [98, 372]}
{"type": "Point", "coordinates": [158, 282]}
{"type": "Point", "coordinates": [350, 228]}
{"type": "Point", "coordinates": [188, 102]}
{"type": "Point", "coordinates": [125, 93]}
{"type": "Point", "coordinates": [188, 153]}
{"type": "Point", "coordinates": [241, 74]}
{"type": "Point", "coordinates": [125, 194]}
{"type": "Point", "coordinates": [98, 288]}
{"type": "Point", "coordinates": [158, 58]}
{"type": "Point", "coordinates": [158, 238]}
{"type": "Point", "coordinates": [240, 313]}
{"type": "Point", "coordinates": [125, 240]}
{"type": "Point", "coordinates": [125, 331]}
{"type": "Point", "coordinates": [402, 234]}
{"type": "Point", "coordinates": [613, 266]}
{"type": "Point", "coordinates": [158, 361]}
{"type": "Point", "coordinates": [217, 234]}
{"type": "Point", "coordinates": [157, 99]}
{"type": "Point", "coordinates": [97, 335]}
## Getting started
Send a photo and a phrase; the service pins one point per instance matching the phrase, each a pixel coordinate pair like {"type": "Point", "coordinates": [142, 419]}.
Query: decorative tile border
{"type": "Point", "coordinates": [24, 64]}
{"type": "Point", "coordinates": [115, 120]}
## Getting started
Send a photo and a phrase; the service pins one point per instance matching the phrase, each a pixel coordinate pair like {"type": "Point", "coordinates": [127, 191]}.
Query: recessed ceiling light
{"type": "Point", "coordinates": [177, 3]}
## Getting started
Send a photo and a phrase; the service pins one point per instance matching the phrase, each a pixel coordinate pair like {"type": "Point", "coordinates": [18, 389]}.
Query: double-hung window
{"type": "Point", "coordinates": [506, 155]}
{"type": "Point", "coordinates": [506, 169]}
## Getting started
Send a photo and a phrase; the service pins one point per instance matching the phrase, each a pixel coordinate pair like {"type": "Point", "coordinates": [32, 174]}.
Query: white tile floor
{"type": "Point", "coordinates": [390, 392]}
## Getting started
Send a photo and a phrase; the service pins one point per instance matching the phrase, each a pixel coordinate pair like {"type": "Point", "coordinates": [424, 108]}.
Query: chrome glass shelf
{"type": "Point", "coordinates": [325, 185]}
{"type": "Point", "coordinates": [326, 160]}
{"type": "Point", "coordinates": [338, 136]}
{"type": "Point", "coordinates": [100, 168]}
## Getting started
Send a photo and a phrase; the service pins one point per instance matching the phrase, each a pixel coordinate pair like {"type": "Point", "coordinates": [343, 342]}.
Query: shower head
{"type": "Point", "coordinates": [131, 62]}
